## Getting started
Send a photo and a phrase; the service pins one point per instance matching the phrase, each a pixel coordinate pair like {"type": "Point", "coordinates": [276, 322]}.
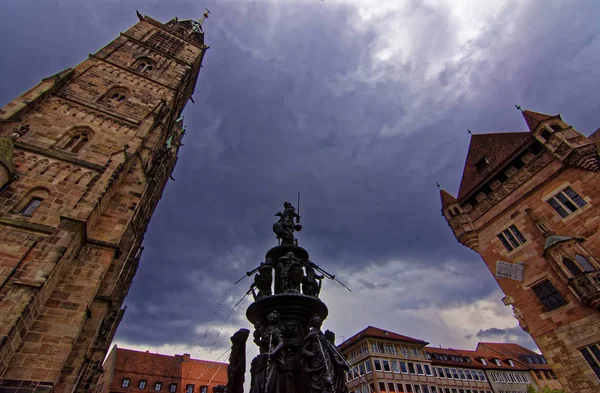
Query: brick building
{"type": "Point", "coordinates": [84, 158]}
{"type": "Point", "coordinates": [132, 371]}
{"type": "Point", "coordinates": [387, 362]}
{"type": "Point", "coordinates": [527, 205]}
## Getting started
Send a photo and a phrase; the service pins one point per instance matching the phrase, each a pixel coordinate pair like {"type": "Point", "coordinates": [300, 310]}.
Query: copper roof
{"type": "Point", "coordinates": [374, 332]}
{"type": "Point", "coordinates": [496, 149]}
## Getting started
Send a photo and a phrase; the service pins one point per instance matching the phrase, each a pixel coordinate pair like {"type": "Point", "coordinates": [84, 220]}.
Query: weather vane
{"type": "Point", "coordinates": [519, 108]}
{"type": "Point", "coordinates": [197, 24]}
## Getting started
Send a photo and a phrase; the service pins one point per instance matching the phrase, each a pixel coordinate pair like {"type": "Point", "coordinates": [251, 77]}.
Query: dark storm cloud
{"type": "Point", "coordinates": [293, 98]}
{"type": "Point", "coordinates": [515, 334]}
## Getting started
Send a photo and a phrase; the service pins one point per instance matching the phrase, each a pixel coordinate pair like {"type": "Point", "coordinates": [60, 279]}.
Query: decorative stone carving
{"type": "Point", "coordinates": [6, 161]}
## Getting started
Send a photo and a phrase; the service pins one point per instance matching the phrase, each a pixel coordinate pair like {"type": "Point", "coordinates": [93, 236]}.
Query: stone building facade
{"type": "Point", "coordinates": [527, 204]}
{"type": "Point", "coordinates": [84, 158]}
{"type": "Point", "coordinates": [133, 371]}
{"type": "Point", "coordinates": [387, 362]}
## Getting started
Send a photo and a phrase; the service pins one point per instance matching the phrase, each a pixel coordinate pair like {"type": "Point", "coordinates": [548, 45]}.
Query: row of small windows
{"type": "Point", "coordinates": [189, 388]}
{"type": "Point", "coordinates": [517, 163]}
{"type": "Point", "coordinates": [396, 387]}
{"type": "Point", "coordinates": [392, 349]}
{"type": "Point", "coordinates": [510, 378]}
{"type": "Point", "coordinates": [395, 366]}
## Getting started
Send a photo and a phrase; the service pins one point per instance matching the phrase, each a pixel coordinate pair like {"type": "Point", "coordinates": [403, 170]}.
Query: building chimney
{"type": "Point", "coordinates": [186, 357]}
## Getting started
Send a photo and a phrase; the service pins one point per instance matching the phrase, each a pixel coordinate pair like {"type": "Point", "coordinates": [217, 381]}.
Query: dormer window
{"type": "Point", "coordinates": [545, 134]}
{"type": "Point", "coordinates": [482, 164]}
{"type": "Point", "coordinates": [510, 361]}
{"type": "Point", "coordinates": [483, 361]}
{"type": "Point", "coordinates": [497, 362]}
{"type": "Point", "coordinates": [556, 127]}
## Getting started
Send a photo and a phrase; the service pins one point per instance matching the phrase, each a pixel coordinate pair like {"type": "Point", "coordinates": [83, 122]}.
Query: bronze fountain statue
{"type": "Point", "coordinates": [295, 356]}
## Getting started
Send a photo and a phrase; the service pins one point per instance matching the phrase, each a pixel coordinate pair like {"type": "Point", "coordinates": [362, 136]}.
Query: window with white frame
{"type": "Point", "coordinates": [125, 382]}
{"type": "Point", "coordinates": [420, 369]}
{"type": "Point", "coordinates": [386, 366]}
{"type": "Point", "coordinates": [403, 368]}
{"type": "Point", "coordinates": [566, 202]}
{"type": "Point", "coordinates": [377, 363]}
{"type": "Point", "coordinates": [427, 369]}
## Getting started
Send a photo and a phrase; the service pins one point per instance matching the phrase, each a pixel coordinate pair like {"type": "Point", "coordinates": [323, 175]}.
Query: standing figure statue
{"type": "Point", "coordinates": [312, 282]}
{"type": "Point", "coordinates": [340, 365]}
{"type": "Point", "coordinates": [317, 359]}
{"type": "Point", "coordinates": [265, 367]}
{"type": "Point", "coordinates": [285, 227]}
{"type": "Point", "coordinates": [237, 362]}
{"type": "Point", "coordinates": [262, 281]}
{"type": "Point", "coordinates": [290, 274]}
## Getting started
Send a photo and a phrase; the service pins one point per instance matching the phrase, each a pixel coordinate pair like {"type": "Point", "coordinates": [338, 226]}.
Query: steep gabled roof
{"type": "Point", "coordinates": [533, 119]}
{"type": "Point", "coordinates": [374, 332]}
{"type": "Point", "coordinates": [497, 149]}
{"type": "Point", "coordinates": [446, 198]}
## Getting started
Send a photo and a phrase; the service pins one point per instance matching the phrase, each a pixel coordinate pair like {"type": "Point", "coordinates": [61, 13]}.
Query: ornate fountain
{"type": "Point", "coordinates": [295, 355]}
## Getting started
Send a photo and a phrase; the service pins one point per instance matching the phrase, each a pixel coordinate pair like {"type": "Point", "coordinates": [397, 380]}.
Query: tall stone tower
{"type": "Point", "coordinates": [529, 205]}
{"type": "Point", "coordinates": [84, 158]}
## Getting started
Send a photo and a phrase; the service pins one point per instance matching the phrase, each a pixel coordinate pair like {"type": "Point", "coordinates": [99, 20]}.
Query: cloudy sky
{"type": "Point", "coordinates": [360, 105]}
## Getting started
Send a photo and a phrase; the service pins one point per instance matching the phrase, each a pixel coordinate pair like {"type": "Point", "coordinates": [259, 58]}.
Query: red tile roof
{"type": "Point", "coordinates": [497, 149]}
{"type": "Point", "coordinates": [374, 332]}
{"type": "Point", "coordinates": [533, 119]}
{"type": "Point", "coordinates": [514, 352]}
{"type": "Point", "coordinates": [474, 357]}
{"type": "Point", "coordinates": [446, 198]}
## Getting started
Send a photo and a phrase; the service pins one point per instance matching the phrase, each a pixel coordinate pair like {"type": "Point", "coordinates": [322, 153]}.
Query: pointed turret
{"type": "Point", "coordinates": [534, 119]}
{"type": "Point", "coordinates": [460, 223]}
{"type": "Point", "coordinates": [563, 141]}
{"type": "Point", "coordinates": [447, 199]}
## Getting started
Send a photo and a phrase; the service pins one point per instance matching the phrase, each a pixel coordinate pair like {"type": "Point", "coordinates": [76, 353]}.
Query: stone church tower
{"type": "Point", "coordinates": [84, 158]}
{"type": "Point", "coordinates": [529, 205]}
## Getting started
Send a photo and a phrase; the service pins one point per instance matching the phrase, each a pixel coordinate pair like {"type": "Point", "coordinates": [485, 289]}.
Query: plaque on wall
{"type": "Point", "coordinates": [512, 271]}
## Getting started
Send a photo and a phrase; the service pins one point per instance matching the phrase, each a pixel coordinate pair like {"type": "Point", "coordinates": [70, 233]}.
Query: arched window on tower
{"type": "Point", "coordinates": [144, 65]}
{"type": "Point", "coordinates": [115, 95]}
{"type": "Point", "coordinates": [572, 266]}
{"type": "Point", "coordinates": [584, 263]}
{"type": "Point", "coordinates": [76, 142]}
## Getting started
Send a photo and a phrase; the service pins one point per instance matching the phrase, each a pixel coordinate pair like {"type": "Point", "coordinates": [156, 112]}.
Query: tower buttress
{"type": "Point", "coordinates": [460, 222]}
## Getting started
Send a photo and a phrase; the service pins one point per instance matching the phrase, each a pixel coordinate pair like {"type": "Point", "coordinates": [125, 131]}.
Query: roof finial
{"type": "Point", "coordinates": [519, 108]}
{"type": "Point", "coordinates": [197, 24]}
{"type": "Point", "coordinates": [470, 132]}
{"type": "Point", "coordinates": [438, 185]}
